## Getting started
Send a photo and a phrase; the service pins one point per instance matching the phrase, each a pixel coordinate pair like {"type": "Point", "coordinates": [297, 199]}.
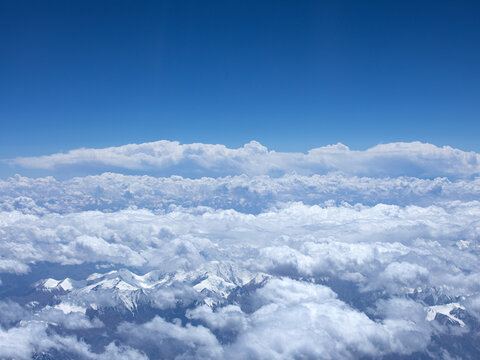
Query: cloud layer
{"type": "Point", "coordinates": [261, 259]}
{"type": "Point", "coordinates": [112, 192]}
{"type": "Point", "coordinates": [196, 160]}
{"type": "Point", "coordinates": [336, 280]}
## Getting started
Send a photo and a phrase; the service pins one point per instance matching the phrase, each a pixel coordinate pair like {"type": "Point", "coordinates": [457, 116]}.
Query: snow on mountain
{"type": "Point", "coordinates": [59, 285]}
{"type": "Point", "coordinates": [445, 310]}
{"type": "Point", "coordinates": [213, 283]}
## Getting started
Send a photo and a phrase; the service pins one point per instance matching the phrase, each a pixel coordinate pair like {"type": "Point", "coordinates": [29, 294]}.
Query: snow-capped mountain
{"type": "Point", "coordinates": [123, 289]}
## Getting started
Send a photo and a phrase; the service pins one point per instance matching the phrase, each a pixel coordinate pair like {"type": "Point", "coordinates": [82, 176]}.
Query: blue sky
{"type": "Point", "coordinates": [292, 75]}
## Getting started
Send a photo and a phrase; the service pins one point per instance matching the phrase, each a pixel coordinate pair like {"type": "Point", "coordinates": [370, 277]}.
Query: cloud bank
{"type": "Point", "coordinates": [334, 254]}
{"type": "Point", "coordinates": [112, 192]}
{"type": "Point", "coordinates": [196, 160]}
{"type": "Point", "coordinates": [334, 280]}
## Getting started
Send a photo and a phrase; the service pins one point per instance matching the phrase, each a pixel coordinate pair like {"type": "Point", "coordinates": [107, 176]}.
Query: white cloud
{"type": "Point", "coordinates": [171, 157]}
{"type": "Point", "coordinates": [112, 192]}
{"type": "Point", "coordinates": [307, 321]}
{"type": "Point", "coordinates": [69, 320]}
{"type": "Point", "coordinates": [254, 266]}
{"type": "Point", "coordinates": [404, 247]}
{"type": "Point", "coordinates": [172, 340]}
{"type": "Point", "coordinates": [11, 312]}
{"type": "Point", "coordinates": [33, 337]}
{"type": "Point", "coordinates": [13, 266]}
{"type": "Point", "coordinates": [226, 319]}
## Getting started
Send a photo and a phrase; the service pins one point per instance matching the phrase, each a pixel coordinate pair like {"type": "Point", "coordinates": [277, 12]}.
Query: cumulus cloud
{"type": "Point", "coordinates": [11, 313]}
{"type": "Point", "coordinates": [277, 262]}
{"type": "Point", "coordinates": [113, 192]}
{"type": "Point", "coordinates": [170, 157]}
{"type": "Point", "coordinates": [307, 321]}
{"type": "Point", "coordinates": [71, 320]}
{"type": "Point", "coordinates": [34, 339]}
{"type": "Point", "coordinates": [293, 238]}
{"type": "Point", "coordinates": [226, 319]}
{"type": "Point", "coordinates": [172, 340]}
{"type": "Point", "coordinates": [404, 247]}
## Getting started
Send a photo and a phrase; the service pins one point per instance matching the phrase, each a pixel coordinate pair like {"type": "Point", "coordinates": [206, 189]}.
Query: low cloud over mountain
{"type": "Point", "coordinates": [272, 261]}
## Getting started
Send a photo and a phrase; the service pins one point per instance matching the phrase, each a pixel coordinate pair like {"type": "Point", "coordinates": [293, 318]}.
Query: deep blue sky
{"type": "Point", "coordinates": [290, 74]}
